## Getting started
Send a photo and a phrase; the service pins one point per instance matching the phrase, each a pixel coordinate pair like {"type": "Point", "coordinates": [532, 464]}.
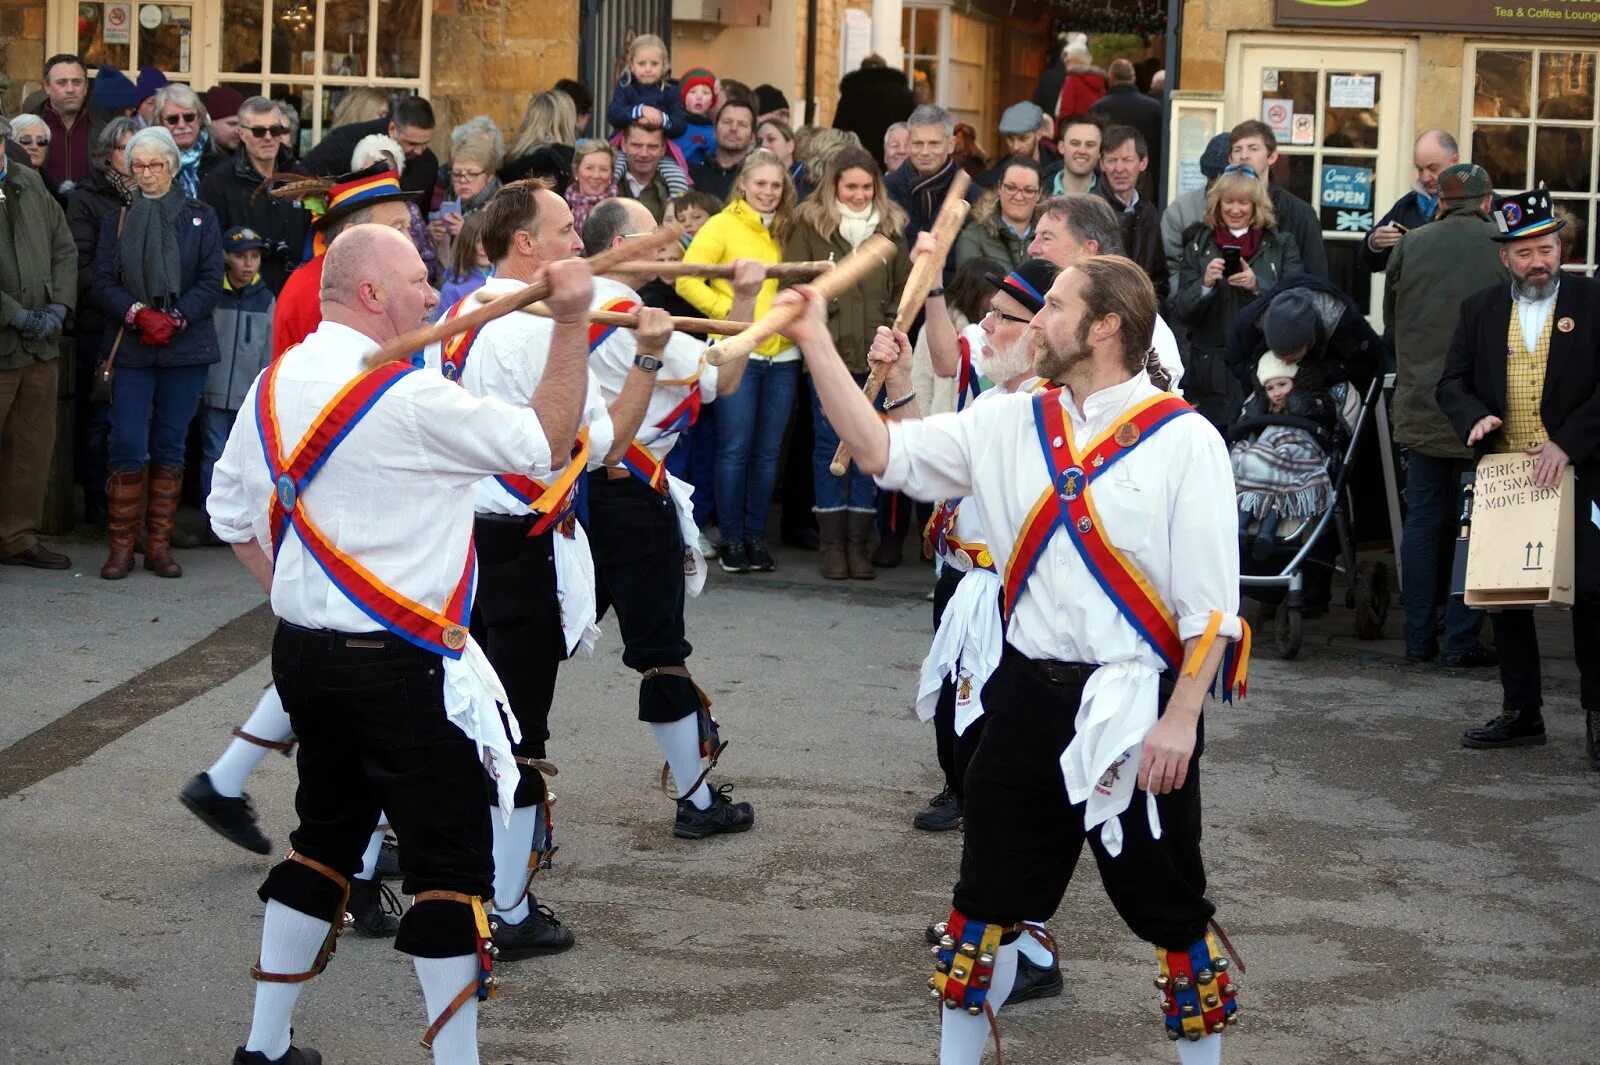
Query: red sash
{"type": "Point", "coordinates": [454, 351]}
{"type": "Point", "coordinates": [443, 633]}
{"type": "Point", "coordinates": [554, 502]}
{"type": "Point", "coordinates": [1066, 505]}
{"type": "Point", "coordinates": [643, 464]}
{"type": "Point", "coordinates": [967, 386]}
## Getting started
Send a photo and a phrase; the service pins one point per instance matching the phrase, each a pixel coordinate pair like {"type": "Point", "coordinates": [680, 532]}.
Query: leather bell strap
{"type": "Point", "coordinates": [286, 747]}
{"type": "Point", "coordinates": [484, 986]}
{"type": "Point", "coordinates": [335, 929]}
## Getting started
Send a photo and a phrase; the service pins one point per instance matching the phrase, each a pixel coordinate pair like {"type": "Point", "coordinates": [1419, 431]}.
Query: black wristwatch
{"type": "Point", "coordinates": [647, 363]}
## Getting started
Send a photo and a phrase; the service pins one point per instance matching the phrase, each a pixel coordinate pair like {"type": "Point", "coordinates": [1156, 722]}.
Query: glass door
{"type": "Point", "coordinates": [1342, 121]}
{"type": "Point", "coordinates": [129, 34]}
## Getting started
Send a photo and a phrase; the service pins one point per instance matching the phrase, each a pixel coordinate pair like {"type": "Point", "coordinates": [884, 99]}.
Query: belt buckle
{"type": "Point", "coordinates": [359, 642]}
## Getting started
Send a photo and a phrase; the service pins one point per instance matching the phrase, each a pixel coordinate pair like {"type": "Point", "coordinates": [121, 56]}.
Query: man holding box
{"type": "Point", "coordinates": [1523, 375]}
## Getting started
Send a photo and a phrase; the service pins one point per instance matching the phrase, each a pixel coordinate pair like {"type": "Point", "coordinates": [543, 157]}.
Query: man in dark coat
{"type": "Point", "coordinates": [73, 120]}
{"type": "Point", "coordinates": [923, 180]}
{"type": "Point", "coordinates": [1022, 127]}
{"type": "Point", "coordinates": [1255, 145]}
{"type": "Point", "coordinates": [1523, 378]}
{"type": "Point", "coordinates": [411, 123]}
{"type": "Point", "coordinates": [1124, 105]}
{"type": "Point", "coordinates": [233, 189]}
{"type": "Point", "coordinates": [871, 100]}
{"type": "Point", "coordinates": [1124, 160]}
{"type": "Point", "coordinates": [1435, 150]}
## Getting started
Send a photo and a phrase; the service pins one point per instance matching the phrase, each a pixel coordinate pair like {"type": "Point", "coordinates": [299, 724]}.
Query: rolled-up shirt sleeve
{"type": "Point", "coordinates": [462, 434]}
{"type": "Point", "coordinates": [1204, 523]}
{"type": "Point", "coordinates": [930, 459]}
{"type": "Point", "coordinates": [228, 507]}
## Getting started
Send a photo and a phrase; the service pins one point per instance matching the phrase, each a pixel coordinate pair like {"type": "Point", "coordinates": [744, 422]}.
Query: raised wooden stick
{"type": "Point", "coordinates": [924, 272]}
{"type": "Point", "coordinates": [802, 271]}
{"type": "Point", "coordinates": [401, 347]}
{"type": "Point", "coordinates": [631, 321]}
{"type": "Point", "coordinates": [874, 254]}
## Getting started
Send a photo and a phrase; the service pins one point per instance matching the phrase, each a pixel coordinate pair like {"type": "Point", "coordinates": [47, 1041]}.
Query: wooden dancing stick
{"type": "Point", "coordinates": [924, 272]}
{"type": "Point", "coordinates": [874, 254]}
{"type": "Point", "coordinates": [625, 320]}
{"type": "Point", "coordinates": [401, 347]}
{"type": "Point", "coordinates": [801, 271]}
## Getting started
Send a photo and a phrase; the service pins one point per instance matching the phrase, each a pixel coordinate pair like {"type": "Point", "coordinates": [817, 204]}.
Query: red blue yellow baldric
{"type": "Point", "coordinates": [639, 460]}
{"type": "Point", "coordinates": [1066, 505]}
{"type": "Point", "coordinates": [443, 631]}
{"type": "Point", "coordinates": [968, 382]}
{"type": "Point", "coordinates": [453, 352]}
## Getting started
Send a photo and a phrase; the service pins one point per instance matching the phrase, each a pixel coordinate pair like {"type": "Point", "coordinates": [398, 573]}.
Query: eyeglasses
{"type": "Point", "coordinates": [1018, 190]}
{"type": "Point", "coordinates": [182, 118]}
{"type": "Point", "coordinates": [266, 131]}
{"type": "Point", "coordinates": [1240, 168]}
{"type": "Point", "coordinates": [466, 175]}
{"type": "Point", "coordinates": [155, 167]}
{"type": "Point", "coordinates": [1004, 317]}
{"type": "Point", "coordinates": [26, 140]}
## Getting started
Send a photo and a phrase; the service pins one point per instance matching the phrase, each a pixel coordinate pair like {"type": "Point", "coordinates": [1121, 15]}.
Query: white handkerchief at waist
{"type": "Point", "coordinates": [694, 565]}
{"type": "Point", "coordinates": [472, 699]}
{"type": "Point", "coordinates": [575, 589]}
{"type": "Point", "coordinates": [1101, 764]}
{"type": "Point", "coordinates": [966, 647]}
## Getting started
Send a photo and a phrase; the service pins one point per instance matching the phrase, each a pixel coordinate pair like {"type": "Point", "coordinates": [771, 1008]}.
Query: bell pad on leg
{"type": "Point", "coordinates": [1198, 996]}
{"type": "Point", "coordinates": [335, 927]}
{"type": "Point", "coordinates": [965, 966]}
{"type": "Point", "coordinates": [485, 986]}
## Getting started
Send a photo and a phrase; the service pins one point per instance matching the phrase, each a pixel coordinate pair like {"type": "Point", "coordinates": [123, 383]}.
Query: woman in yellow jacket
{"type": "Point", "coordinates": [752, 420]}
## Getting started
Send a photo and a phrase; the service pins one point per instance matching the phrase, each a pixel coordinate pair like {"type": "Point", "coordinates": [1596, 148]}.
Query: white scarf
{"type": "Point", "coordinates": [857, 226]}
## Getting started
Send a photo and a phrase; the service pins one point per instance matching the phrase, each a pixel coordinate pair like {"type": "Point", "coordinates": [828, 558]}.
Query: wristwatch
{"type": "Point", "coordinates": [647, 363]}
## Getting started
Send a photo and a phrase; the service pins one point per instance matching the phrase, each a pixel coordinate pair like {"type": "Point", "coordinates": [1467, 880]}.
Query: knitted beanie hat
{"type": "Point", "coordinates": [1270, 368]}
{"type": "Point", "coordinates": [697, 76]}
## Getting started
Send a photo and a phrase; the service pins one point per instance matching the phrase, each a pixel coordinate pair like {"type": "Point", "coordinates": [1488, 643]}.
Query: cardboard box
{"type": "Point", "coordinates": [1520, 552]}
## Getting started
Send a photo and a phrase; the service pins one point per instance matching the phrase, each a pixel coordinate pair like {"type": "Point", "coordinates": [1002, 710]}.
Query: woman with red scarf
{"type": "Point", "coordinates": [1233, 254]}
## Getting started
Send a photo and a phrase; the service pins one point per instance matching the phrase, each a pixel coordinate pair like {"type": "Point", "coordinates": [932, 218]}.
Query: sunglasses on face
{"type": "Point", "coordinates": [26, 141]}
{"type": "Point", "coordinates": [183, 118]}
{"type": "Point", "coordinates": [266, 131]}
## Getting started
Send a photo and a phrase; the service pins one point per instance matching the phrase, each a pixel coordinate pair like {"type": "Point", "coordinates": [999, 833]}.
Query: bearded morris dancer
{"type": "Point", "coordinates": [347, 491]}
{"type": "Point", "coordinates": [1107, 507]}
{"type": "Point", "coordinates": [641, 522]}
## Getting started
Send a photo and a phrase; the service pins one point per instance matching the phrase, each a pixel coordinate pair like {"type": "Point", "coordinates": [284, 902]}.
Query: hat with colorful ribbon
{"type": "Point", "coordinates": [1526, 214]}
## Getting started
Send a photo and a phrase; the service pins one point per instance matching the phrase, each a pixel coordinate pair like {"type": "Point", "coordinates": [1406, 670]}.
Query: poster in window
{"type": "Point", "coordinates": [1304, 128]}
{"type": "Point", "coordinates": [1352, 90]}
{"type": "Point", "coordinates": [1278, 115]}
{"type": "Point", "coordinates": [119, 23]}
{"type": "Point", "coordinates": [1347, 186]}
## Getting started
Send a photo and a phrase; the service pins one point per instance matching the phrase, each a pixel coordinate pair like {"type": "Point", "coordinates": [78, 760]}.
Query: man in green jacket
{"type": "Point", "coordinates": [1430, 272]}
{"type": "Point", "coordinates": [38, 288]}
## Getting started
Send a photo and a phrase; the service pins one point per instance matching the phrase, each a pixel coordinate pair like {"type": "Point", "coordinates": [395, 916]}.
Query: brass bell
{"type": "Point", "coordinates": [1188, 1010]}
{"type": "Point", "coordinates": [941, 928]}
{"type": "Point", "coordinates": [933, 984]}
{"type": "Point", "coordinates": [969, 949]}
{"type": "Point", "coordinates": [936, 993]}
{"type": "Point", "coordinates": [982, 979]}
{"type": "Point", "coordinates": [946, 943]}
{"type": "Point", "coordinates": [1219, 1026]}
{"type": "Point", "coordinates": [1231, 990]}
{"type": "Point", "coordinates": [958, 974]}
{"type": "Point", "coordinates": [494, 951]}
{"type": "Point", "coordinates": [952, 1003]}
{"type": "Point", "coordinates": [974, 1010]}
{"type": "Point", "coordinates": [1174, 1035]}
{"type": "Point", "coordinates": [1211, 1001]}
{"type": "Point", "coordinates": [1233, 1019]}
{"type": "Point", "coordinates": [935, 952]}
{"type": "Point", "coordinates": [1194, 1037]}
{"type": "Point", "coordinates": [943, 966]}
{"type": "Point", "coordinates": [1182, 983]}
{"type": "Point", "coordinates": [1221, 963]}
{"type": "Point", "coordinates": [985, 959]}
{"type": "Point", "coordinates": [1205, 976]}
{"type": "Point", "coordinates": [1163, 982]}
{"type": "Point", "coordinates": [490, 983]}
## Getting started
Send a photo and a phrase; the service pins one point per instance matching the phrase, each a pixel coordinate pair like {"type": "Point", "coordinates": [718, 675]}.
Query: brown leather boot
{"type": "Point", "coordinates": [124, 516]}
{"type": "Point", "coordinates": [858, 531]}
{"type": "Point", "coordinates": [830, 530]}
{"type": "Point", "coordinates": [165, 484]}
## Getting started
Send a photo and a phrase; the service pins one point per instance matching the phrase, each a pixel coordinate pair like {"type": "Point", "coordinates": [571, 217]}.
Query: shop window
{"type": "Point", "coordinates": [1533, 118]}
{"type": "Point", "coordinates": [919, 36]}
{"type": "Point", "coordinates": [130, 36]}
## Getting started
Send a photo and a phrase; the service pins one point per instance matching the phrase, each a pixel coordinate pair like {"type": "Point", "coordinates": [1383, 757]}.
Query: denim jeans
{"type": "Point", "coordinates": [750, 427]}
{"type": "Point", "coordinates": [694, 459]}
{"type": "Point", "coordinates": [1433, 499]}
{"type": "Point", "coordinates": [151, 409]}
{"type": "Point", "coordinates": [853, 491]}
{"type": "Point", "coordinates": [215, 425]}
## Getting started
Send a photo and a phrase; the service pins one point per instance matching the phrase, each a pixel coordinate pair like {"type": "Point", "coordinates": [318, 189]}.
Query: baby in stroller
{"type": "Point", "coordinates": [1280, 447]}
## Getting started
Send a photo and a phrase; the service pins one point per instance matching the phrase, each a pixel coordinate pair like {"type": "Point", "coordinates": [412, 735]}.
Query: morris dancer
{"type": "Point", "coordinates": [347, 492]}
{"type": "Point", "coordinates": [1108, 508]}
{"type": "Point", "coordinates": [536, 592]}
{"type": "Point", "coordinates": [641, 522]}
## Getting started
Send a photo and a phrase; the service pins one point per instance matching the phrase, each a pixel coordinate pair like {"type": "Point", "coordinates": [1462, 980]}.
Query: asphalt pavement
{"type": "Point", "coordinates": [1395, 897]}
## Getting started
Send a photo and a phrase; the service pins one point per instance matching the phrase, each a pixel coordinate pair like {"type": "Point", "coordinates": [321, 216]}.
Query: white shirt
{"type": "Point", "coordinates": [1166, 346]}
{"type": "Point", "coordinates": [397, 492]}
{"type": "Point", "coordinates": [683, 359]}
{"type": "Point", "coordinates": [1169, 504]}
{"type": "Point", "coordinates": [1534, 315]}
{"type": "Point", "coordinates": [507, 361]}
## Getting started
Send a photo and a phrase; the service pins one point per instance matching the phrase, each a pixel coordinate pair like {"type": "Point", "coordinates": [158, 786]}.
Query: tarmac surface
{"type": "Point", "coordinates": [1396, 898]}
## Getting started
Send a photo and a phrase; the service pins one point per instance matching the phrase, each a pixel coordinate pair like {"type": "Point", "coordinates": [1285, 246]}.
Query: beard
{"type": "Point", "coordinates": [1012, 361]}
{"type": "Point", "coordinates": [1054, 363]}
{"type": "Point", "coordinates": [1540, 287]}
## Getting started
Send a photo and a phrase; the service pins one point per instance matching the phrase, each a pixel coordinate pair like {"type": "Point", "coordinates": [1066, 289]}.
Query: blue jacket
{"type": "Point", "coordinates": [699, 140]}
{"type": "Point", "coordinates": [244, 339]}
{"type": "Point", "coordinates": [629, 96]}
{"type": "Point", "coordinates": [200, 253]}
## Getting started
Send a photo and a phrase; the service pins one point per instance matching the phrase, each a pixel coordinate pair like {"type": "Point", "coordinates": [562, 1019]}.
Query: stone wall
{"type": "Point", "coordinates": [490, 56]}
{"type": "Point", "coordinates": [21, 50]}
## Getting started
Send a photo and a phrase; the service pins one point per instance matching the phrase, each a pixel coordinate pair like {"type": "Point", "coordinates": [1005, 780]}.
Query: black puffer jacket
{"type": "Point", "coordinates": [870, 101]}
{"type": "Point", "coordinates": [87, 206]}
{"type": "Point", "coordinates": [233, 189]}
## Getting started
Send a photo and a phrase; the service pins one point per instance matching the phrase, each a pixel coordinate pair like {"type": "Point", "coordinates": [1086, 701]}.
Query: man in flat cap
{"type": "Point", "coordinates": [1430, 272]}
{"type": "Point", "coordinates": [1523, 377]}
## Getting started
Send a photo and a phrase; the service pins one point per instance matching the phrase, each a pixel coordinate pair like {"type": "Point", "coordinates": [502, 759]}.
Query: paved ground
{"type": "Point", "coordinates": [1396, 898]}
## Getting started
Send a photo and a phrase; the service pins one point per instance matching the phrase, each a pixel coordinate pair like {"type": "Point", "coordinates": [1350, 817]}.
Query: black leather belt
{"type": "Point", "coordinates": [505, 519]}
{"type": "Point", "coordinates": [374, 640]}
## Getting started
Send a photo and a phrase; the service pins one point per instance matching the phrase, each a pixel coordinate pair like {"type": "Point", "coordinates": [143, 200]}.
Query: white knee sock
{"type": "Point", "coordinates": [680, 743]}
{"type": "Point", "coordinates": [962, 1036]}
{"type": "Point", "coordinates": [1206, 1050]}
{"type": "Point", "coordinates": [1034, 950]}
{"type": "Point", "coordinates": [512, 845]}
{"type": "Point", "coordinates": [270, 722]}
{"type": "Point", "coordinates": [442, 980]}
{"type": "Point", "coordinates": [369, 858]}
{"type": "Point", "coordinates": [290, 941]}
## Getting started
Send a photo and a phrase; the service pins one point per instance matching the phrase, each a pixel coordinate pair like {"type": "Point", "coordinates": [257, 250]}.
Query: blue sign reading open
{"type": "Point", "coordinates": [1347, 186]}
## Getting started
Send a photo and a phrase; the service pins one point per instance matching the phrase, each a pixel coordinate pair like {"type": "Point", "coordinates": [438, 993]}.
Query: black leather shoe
{"type": "Point", "coordinates": [1513, 728]}
{"type": "Point", "coordinates": [1591, 737]}
{"type": "Point", "coordinates": [1421, 657]}
{"type": "Point", "coordinates": [39, 557]}
{"type": "Point", "coordinates": [761, 560]}
{"type": "Point", "coordinates": [234, 819]}
{"type": "Point", "coordinates": [733, 557]}
{"type": "Point", "coordinates": [541, 932]}
{"type": "Point", "coordinates": [389, 859]}
{"type": "Point", "coordinates": [1035, 981]}
{"type": "Point", "coordinates": [1472, 658]}
{"type": "Point", "coordinates": [942, 815]}
{"type": "Point", "coordinates": [723, 815]}
{"type": "Point", "coordinates": [374, 910]}
{"type": "Point", "coordinates": [293, 1056]}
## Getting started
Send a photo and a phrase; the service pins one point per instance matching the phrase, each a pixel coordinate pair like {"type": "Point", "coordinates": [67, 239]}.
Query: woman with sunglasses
{"type": "Point", "coordinates": [179, 111]}
{"type": "Point", "coordinates": [157, 278]}
{"type": "Point", "coordinates": [1001, 224]}
{"type": "Point", "coordinates": [231, 190]}
{"type": "Point", "coordinates": [1233, 254]}
{"type": "Point", "coordinates": [34, 136]}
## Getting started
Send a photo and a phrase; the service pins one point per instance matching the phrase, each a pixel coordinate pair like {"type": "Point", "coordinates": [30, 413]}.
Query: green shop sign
{"type": "Point", "coordinates": [1552, 17]}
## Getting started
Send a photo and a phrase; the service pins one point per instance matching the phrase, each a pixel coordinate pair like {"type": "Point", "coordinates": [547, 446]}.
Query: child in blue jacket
{"type": "Point", "coordinates": [644, 92]}
{"type": "Point", "coordinates": [243, 320]}
{"type": "Point", "coordinates": [698, 88]}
